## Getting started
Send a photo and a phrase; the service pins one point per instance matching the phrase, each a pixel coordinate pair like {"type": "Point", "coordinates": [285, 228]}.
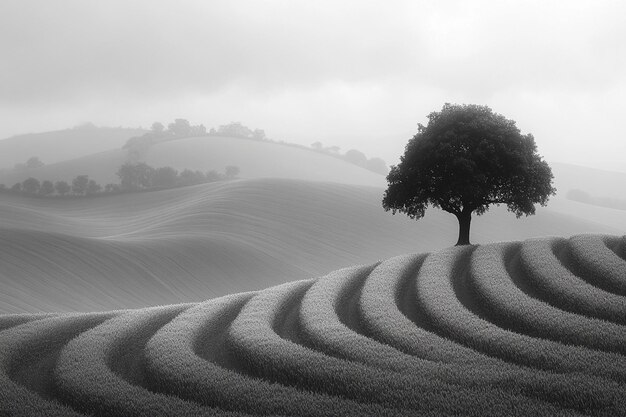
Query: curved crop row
{"type": "Point", "coordinates": [28, 355]}
{"type": "Point", "coordinates": [100, 372]}
{"type": "Point", "coordinates": [390, 314]}
{"type": "Point", "coordinates": [598, 264]}
{"type": "Point", "coordinates": [508, 306]}
{"type": "Point", "coordinates": [541, 263]}
{"type": "Point", "coordinates": [447, 269]}
{"type": "Point", "coordinates": [189, 358]}
{"type": "Point", "coordinates": [323, 317]}
{"type": "Point", "coordinates": [325, 312]}
{"type": "Point", "coordinates": [507, 329]}
{"type": "Point", "coordinates": [273, 352]}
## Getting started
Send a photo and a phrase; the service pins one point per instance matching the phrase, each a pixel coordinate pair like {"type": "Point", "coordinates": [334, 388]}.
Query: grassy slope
{"type": "Point", "coordinates": [193, 243]}
{"type": "Point", "coordinates": [487, 339]}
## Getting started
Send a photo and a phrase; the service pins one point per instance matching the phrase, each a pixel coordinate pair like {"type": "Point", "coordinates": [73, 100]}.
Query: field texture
{"type": "Point", "coordinates": [530, 328]}
{"type": "Point", "coordinates": [194, 243]}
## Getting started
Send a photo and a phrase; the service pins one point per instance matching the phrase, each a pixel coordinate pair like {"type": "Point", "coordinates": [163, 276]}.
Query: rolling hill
{"type": "Point", "coordinates": [256, 159]}
{"type": "Point", "coordinates": [529, 328]}
{"type": "Point", "coordinates": [98, 152]}
{"type": "Point", "coordinates": [593, 181]}
{"type": "Point", "coordinates": [62, 145]}
{"type": "Point", "coordinates": [243, 325]}
{"type": "Point", "coordinates": [193, 243]}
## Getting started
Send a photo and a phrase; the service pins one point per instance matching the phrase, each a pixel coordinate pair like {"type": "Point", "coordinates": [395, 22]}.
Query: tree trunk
{"type": "Point", "coordinates": [464, 219]}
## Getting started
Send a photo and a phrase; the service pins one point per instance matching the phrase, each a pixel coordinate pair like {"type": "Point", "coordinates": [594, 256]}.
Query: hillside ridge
{"type": "Point", "coordinates": [199, 242]}
{"type": "Point", "coordinates": [482, 330]}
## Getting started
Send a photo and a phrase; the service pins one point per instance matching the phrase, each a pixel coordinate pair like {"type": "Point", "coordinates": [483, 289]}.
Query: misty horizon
{"type": "Point", "coordinates": [358, 75]}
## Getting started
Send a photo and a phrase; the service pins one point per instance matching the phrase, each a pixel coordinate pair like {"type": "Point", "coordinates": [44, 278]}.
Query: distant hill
{"type": "Point", "coordinates": [193, 243]}
{"type": "Point", "coordinates": [259, 159]}
{"type": "Point", "coordinates": [98, 153]}
{"type": "Point", "coordinates": [596, 182]}
{"type": "Point", "coordinates": [256, 159]}
{"type": "Point", "coordinates": [62, 145]}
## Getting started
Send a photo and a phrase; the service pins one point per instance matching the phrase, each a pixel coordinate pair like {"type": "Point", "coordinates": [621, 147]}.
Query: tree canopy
{"type": "Point", "coordinates": [465, 159]}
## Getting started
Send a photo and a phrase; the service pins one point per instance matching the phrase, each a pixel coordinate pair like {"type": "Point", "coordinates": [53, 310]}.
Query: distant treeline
{"type": "Point", "coordinates": [181, 128]}
{"type": "Point", "coordinates": [354, 157]}
{"type": "Point", "coordinates": [133, 178]}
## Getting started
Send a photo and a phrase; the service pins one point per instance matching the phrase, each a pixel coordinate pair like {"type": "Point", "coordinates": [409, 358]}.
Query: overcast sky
{"type": "Point", "coordinates": [356, 74]}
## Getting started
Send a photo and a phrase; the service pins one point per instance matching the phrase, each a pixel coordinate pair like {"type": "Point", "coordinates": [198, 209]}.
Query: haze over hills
{"type": "Point", "coordinates": [506, 328]}
{"type": "Point", "coordinates": [89, 151]}
{"type": "Point", "coordinates": [256, 159]}
{"type": "Point", "coordinates": [194, 243]}
{"type": "Point", "coordinates": [318, 213]}
{"type": "Point", "coordinates": [595, 181]}
{"type": "Point", "coordinates": [228, 273]}
{"type": "Point", "coordinates": [62, 145]}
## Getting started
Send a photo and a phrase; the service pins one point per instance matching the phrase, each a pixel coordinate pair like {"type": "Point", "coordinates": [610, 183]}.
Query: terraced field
{"type": "Point", "coordinates": [528, 328]}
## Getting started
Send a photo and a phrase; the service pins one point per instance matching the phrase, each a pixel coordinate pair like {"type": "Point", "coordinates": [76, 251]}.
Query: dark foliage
{"type": "Point", "coordinates": [93, 187]}
{"type": "Point", "coordinates": [165, 177]}
{"type": "Point", "coordinates": [31, 185]}
{"type": "Point", "coordinates": [80, 184]}
{"type": "Point", "coordinates": [135, 176]}
{"type": "Point", "coordinates": [47, 188]}
{"type": "Point", "coordinates": [62, 187]}
{"type": "Point", "coordinates": [466, 159]}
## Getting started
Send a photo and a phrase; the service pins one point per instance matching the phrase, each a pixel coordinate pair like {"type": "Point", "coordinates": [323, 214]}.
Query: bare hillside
{"type": "Point", "coordinates": [194, 243]}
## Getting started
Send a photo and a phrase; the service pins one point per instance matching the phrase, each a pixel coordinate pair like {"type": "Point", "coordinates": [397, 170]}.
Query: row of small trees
{"type": "Point", "coordinates": [181, 128]}
{"type": "Point", "coordinates": [142, 176]}
{"type": "Point", "coordinates": [80, 185]}
{"type": "Point", "coordinates": [133, 177]}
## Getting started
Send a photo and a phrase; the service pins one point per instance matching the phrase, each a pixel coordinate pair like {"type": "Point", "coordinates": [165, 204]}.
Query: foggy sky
{"type": "Point", "coordinates": [356, 74]}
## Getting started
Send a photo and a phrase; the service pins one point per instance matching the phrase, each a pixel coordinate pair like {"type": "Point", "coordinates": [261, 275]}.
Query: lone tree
{"type": "Point", "coordinates": [466, 159]}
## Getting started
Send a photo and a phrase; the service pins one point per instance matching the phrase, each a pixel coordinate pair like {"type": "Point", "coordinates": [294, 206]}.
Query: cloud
{"type": "Point", "coordinates": [83, 47]}
{"type": "Point", "coordinates": [352, 69]}
{"type": "Point", "coordinates": [79, 48]}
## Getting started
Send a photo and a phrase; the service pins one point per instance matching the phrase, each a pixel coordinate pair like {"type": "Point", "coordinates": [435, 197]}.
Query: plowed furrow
{"type": "Point", "coordinates": [28, 355]}
{"type": "Point", "coordinates": [594, 261]}
{"type": "Point", "coordinates": [330, 320]}
{"type": "Point", "coordinates": [270, 356]}
{"type": "Point", "coordinates": [436, 293]}
{"type": "Point", "coordinates": [391, 314]}
{"type": "Point", "coordinates": [190, 358]}
{"type": "Point", "coordinates": [492, 278]}
{"type": "Point", "coordinates": [87, 379]}
{"type": "Point", "coordinates": [542, 269]}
